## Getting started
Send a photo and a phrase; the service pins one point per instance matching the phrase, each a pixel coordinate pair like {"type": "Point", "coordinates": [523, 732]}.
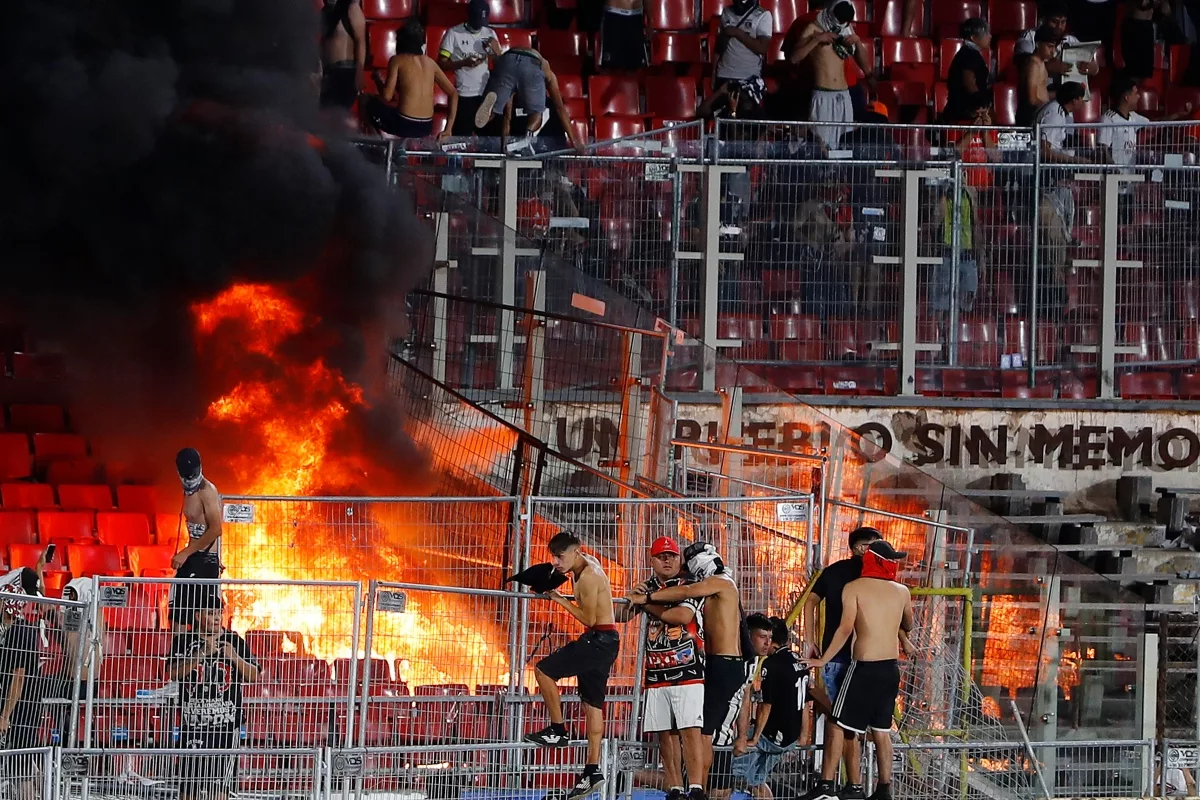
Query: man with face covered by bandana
{"type": "Point", "coordinates": [875, 609]}
{"type": "Point", "coordinates": [465, 48]}
{"type": "Point", "coordinates": [726, 671]}
{"type": "Point", "coordinates": [20, 705]}
{"type": "Point", "coordinates": [201, 558]}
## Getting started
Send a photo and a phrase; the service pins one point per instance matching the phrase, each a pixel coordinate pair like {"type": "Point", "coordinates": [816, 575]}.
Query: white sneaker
{"type": "Point", "coordinates": [484, 115]}
{"type": "Point", "coordinates": [542, 120]}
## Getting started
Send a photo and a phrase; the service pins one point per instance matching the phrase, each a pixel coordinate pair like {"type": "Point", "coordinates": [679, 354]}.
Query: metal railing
{"type": "Point", "coordinates": [902, 260]}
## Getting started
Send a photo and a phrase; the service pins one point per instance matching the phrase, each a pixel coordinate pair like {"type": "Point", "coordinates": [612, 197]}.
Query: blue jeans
{"type": "Point", "coordinates": [832, 674]}
{"type": "Point", "coordinates": [757, 765]}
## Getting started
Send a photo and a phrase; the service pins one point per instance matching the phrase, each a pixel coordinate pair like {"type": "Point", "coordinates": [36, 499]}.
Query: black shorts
{"type": "Point", "coordinates": [868, 696]}
{"type": "Point", "coordinates": [211, 772]}
{"type": "Point", "coordinates": [724, 679]}
{"type": "Point", "coordinates": [589, 658]}
{"type": "Point", "coordinates": [339, 85]}
{"type": "Point", "coordinates": [187, 598]}
{"type": "Point", "coordinates": [622, 40]}
{"type": "Point", "coordinates": [464, 123]}
{"type": "Point", "coordinates": [389, 120]}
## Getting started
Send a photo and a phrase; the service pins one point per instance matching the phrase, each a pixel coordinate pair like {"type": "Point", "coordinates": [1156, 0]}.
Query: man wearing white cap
{"type": "Point", "coordinates": [674, 672]}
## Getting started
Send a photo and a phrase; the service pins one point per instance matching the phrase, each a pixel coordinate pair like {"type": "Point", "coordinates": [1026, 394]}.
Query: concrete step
{"type": "Point", "coordinates": [1168, 561]}
{"type": "Point", "coordinates": [1115, 532]}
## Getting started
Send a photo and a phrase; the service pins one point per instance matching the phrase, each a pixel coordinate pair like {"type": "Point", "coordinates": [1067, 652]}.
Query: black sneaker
{"type": "Point", "coordinates": [588, 782]}
{"type": "Point", "coordinates": [852, 791]}
{"type": "Point", "coordinates": [549, 737]}
{"type": "Point", "coordinates": [676, 794]}
{"type": "Point", "coordinates": [883, 791]}
{"type": "Point", "coordinates": [697, 793]}
{"type": "Point", "coordinates": [824, 790]}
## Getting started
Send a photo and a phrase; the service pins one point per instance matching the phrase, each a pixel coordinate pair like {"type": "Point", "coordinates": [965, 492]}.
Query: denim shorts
{"type": "Point", "coordinates": [757, 765]}
{"type": "Point", "coordinates": [832, 674]}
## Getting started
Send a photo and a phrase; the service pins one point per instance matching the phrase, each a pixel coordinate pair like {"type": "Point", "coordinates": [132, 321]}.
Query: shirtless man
{"type": "Point", "coordinates": [875, 609]}
{"type": "Point", "coordinates": [589, 658]}
{"type": "Point", "coordinates": [825, 44]}
{"type": "Point", "coordinates": [411, 76]}
{"type": "Point", "coordinates": [343, 52]}
{"type": "Point", "coordinates": [523, 76]}
{"type": "Point", "coordinates": [725, 672]}
{"type": "Point", "coordinates": [1032, 91]}
{"type": "Point", "coordinates": [202, 556]}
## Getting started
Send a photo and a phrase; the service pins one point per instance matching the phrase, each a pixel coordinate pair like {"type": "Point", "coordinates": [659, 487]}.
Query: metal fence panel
{"type": "Point", "coordinates": [27, 773]}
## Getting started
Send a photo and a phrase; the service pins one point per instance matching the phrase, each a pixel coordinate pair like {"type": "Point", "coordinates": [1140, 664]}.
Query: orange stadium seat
{"type": "Point", "coordinates": [613, 94]}
{"type": "Point", "coordinates": [73, 470]}
{"type": "Point", "coordinates": [389, 9]}
{"type": "Point", "coordinates": [142, 499]}
{"type": "Point", "coordinates": [27, 555]}
{"type": "Point", "coordinates": [17, 527]}
{"type": "Point", "coordinates": [27, 495]}
{"type": "Point", "coordinates": [72, 526]}
{"type": "Point", "coordinates": [87, 560]}
{"type": "Point", "coordinates": [58, 445]}
{"type": "Point", "coordinates": [1011, 17]}
{"type": "Point", "coordinates": [37, 418]}
{"type": "Point", "coordinates": [15, 459]}
{"type": "Point", "coordinates": [150, 561]}
{"type": "Point", "coordinates": [671, 15]}
{"type": "Point", "coordinates": [97, 497]}
{"type": "Point", "coordinates": [123, 528]}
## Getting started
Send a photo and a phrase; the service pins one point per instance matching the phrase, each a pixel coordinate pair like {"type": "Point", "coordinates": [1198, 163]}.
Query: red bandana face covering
{"type": "Point", "coordinates": [876, 566]}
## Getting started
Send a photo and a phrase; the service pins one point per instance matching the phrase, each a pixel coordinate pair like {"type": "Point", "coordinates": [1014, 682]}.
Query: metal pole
{"type": "Point", "coordinates": [68, 735]}
{"type": "Point", "coordinates": [955, 247]}
{"type": "Point", "coordinates": [676, 223]}
{"type": "Point", "coordinates": [91, 686]}
{"type": "Point", "coordinates": [1037, 767]}
{"type": "Point", "coordinates": [366, 668]}
{"type": "Point", "coordinates": [1033, 255]}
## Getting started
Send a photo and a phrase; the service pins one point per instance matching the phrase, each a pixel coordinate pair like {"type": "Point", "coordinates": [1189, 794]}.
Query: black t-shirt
{"type": "Point", "coordinates": [783, 684]}
{"type": "Point", "coordinates": [210, 696]}
{"type": "Point", "coordinates": [829, 587]}
{"type": "Point", "coordinates": [19, 650]}
{"type": "Point", "coordinates": [958, 99]}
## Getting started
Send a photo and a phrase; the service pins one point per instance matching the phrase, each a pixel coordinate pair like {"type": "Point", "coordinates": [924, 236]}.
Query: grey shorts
{"type": "Point", "coordinates": [968, 282]}
{"type": "Point", "coordinates": [516, 73]}
{"type": "Point", "coordinates": [830, 106]}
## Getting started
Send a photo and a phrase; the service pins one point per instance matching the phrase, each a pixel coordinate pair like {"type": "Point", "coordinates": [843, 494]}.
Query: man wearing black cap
{"type": "Point", "coordinates": [20, 676]}
{"type": "Point", "coordinates": [210, 663]}
{"type": "Point", "coordinates": [201, 558]}
{"type": "Point", "coordinates": [875, 609]}
{"type": "Point", "coordinates": [465, 49]}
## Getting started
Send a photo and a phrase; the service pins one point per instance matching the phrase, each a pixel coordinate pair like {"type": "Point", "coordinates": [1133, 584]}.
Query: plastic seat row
{"type": "Point", "coordinates": [73, 559]}
{"type": "Point", "coordinates": [120, 528]}
{"type": "Point", "coordinates": [35, 418]}
{"type": "Point", "coordinates": [96, 497]}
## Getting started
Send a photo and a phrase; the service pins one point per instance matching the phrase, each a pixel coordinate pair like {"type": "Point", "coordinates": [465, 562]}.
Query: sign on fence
{"type": "Point", "coordinates": [1183, 757]}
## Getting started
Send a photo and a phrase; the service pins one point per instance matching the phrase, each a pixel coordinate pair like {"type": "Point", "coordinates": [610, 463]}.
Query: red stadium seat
{"type": "Point", "coordinates": [87, 560]}
{"type": "Point", "coordinates": [1150, 102]}
{"type": "Point", "coordinates": [749, 329]}
{"type": "Point", "coordinates": [903, 94]}
{"type": "Point", "coordinates": [566, 50]}
{"type": "Point", "coordinates": [17, 527]}
{"type": "Point", "coordinates": [668, 96]}
{"type": "Point", "coordinates": [1189, 386]}
{"type": "Point", "coordinates": [149, 643]}
{"type": "Point", "coordinates": [1005, 69]}
{"type": "Point", "coordinates": [1089, 111]}
{"type": "Point", "coordinates": [1150, 341]}
{"type": "Point", "coordinates": [941, 96]}
{"type": "Point", "coordinates": [1005, 103]}
{"type": "Point", "coordinates": [73, 470]}
{"type": "Point", "coordinates": [571, 86]}
{"type": "Point", "coordinates": [1015, 383]}
{"type": "Point", "coordinates": [45, 367]}
{"type": "Point", "coordinates": [142, 499]}
{"type": "Point", "coordinates": [72, 526]}
{"type": "Point", "coordinates": [27, 555]}
{"type": "Point", "coordinates": [616, 126]}
{"type": "Point", "coordinates": [710, 9]}
{"type": "Point", "coordinates": [970, 383]}
{"type": "Point", "coordinates": [889, 18]}
{"type": "Point", "coordinates": [123, 528]}
{"type": "Point", "coordinates": [978, 344]}
{"type": "Point", "coordinates": [1177, 96]}
{"type": "Point", "coordinates": [947, 15]}
{"type": "Point", "coordinates": [858, 380]}
{"type": "Point", "coordinates": [15, 458]}
{"type": "Point", "coordinates": [784, 13]}
{"type": "Point", "coordinates": [1081, 339]}
{"type": "Point", "coordinates": [1147, 386]}
{"type": "Point", "coordinates": [381, 42]}
{"type": "Point", "coordinates": [1078, 386]}
{"type": "Point", "coordinates": [150, 561]}
{"type": "Point", "coordinates": [515, 37]}
{"type": "Point", "coordinates": [907, 59]}
{"type": "Point", "coordinates": [797, 337]}
{"type": "Point", "coordinates": [27, 495]}
{"type": "Point", "coordinates": [389, 9]}
{"type": "Point", "coordinates": [613, 94]}
{"type": "Point", "coordinates": [47, 446]}
{"type": "Point", "coordinates": [433, 40]}
{"type": "Point", "coordinates": [671, 15]}
{"type": "Point", "coordinates": [37, 418]}
{"type": "Point", "coordinates": [506, 12]}
{"type": "Point", "coordinates": [1011, 17]}
{"type": "Point", "coordinates": [1178, 63]}
{"type": "Point", "coordinates": [675, 47]}
{"type": "Point", "coordinates": [97, 497]}
{"type": "Point", "coordinates": [446, 14]}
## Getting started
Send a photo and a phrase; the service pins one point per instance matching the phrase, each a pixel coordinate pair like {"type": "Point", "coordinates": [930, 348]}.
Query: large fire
{"type": "Point", "coordinates": [292, 416]}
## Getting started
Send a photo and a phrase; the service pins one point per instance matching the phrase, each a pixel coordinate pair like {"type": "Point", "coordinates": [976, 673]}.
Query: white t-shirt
{"type": "Point", "coordinates": [1122, 136]}
{"type": "Point", "coordinates": [459, 43]}
{"type": "Point", "coordinates": [1056, 124]}
{"type": "Point", "coordinates": [738, 62]}
{"type": "Point", "coordinates": [1176, 784]}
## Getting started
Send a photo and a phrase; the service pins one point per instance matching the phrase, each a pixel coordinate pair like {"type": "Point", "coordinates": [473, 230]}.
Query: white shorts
{"type": "Point", "coordinates": [674, 707]}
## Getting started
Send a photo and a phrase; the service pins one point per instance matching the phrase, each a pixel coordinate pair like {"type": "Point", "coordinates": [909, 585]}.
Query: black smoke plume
{"type": "Point", "coordinates": [154, 153]}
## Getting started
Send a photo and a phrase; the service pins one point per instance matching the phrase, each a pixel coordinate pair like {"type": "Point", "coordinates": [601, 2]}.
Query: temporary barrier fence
{"type": "Point", "coordinates": [26, 772]}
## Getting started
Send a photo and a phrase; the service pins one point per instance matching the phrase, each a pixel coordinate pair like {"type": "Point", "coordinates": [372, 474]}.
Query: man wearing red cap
{"type": "Point", "coordinates": [674, 673]}
{"type": "Point", "coordinates": [875, 609]}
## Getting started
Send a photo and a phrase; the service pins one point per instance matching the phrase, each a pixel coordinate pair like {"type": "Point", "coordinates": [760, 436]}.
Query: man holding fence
{"type": "Point", "coordinates": [20, 675]}
{"type": "Point", "coordinates": [674, 673]}
{"type": "Point", "coordinates": [589, 658]}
